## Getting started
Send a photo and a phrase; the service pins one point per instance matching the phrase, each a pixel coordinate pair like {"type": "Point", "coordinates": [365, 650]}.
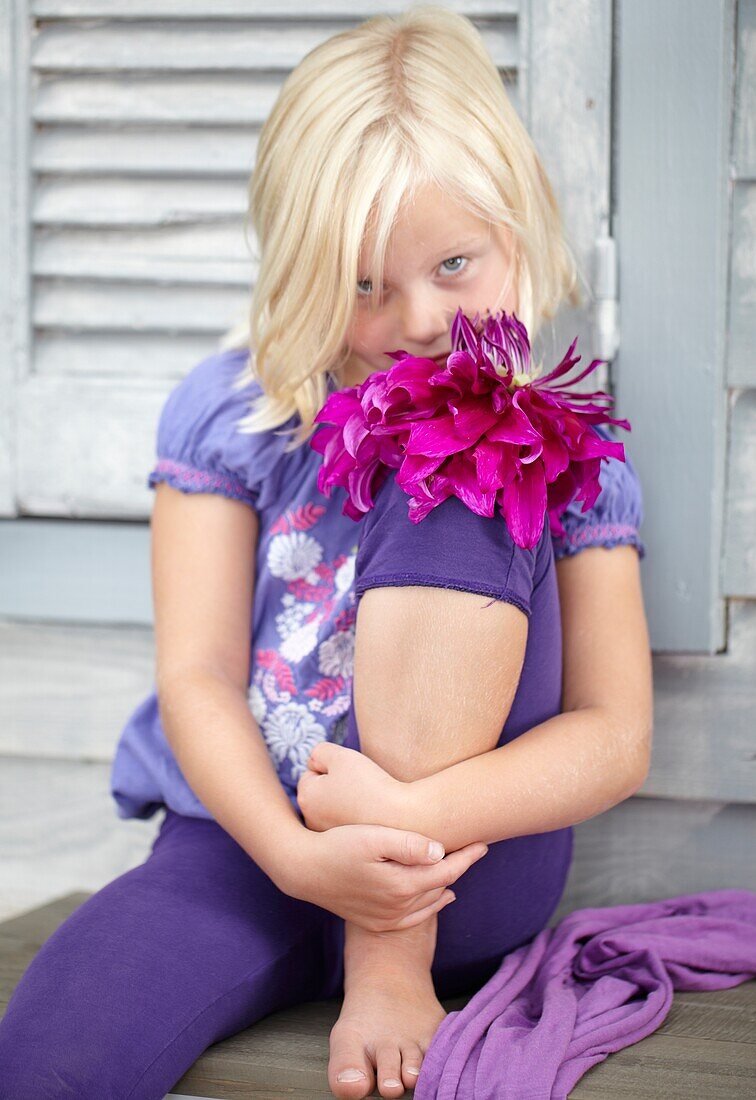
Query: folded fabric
{"type": "Point", "coordinates": [598, 981]}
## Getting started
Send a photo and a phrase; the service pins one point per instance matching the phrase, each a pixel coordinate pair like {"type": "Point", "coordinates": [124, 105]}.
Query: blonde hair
{"type": "Point", "coordinates": [364, 120]}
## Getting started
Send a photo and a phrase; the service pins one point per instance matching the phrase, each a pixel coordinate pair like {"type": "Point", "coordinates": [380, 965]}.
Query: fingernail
{"type": "Point", "coordinates": [350, 1075]}
{"type": "Point", "coordinates": [435, 850]}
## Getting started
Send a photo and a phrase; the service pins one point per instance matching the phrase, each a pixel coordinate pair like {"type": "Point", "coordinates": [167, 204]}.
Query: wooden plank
{"type": "Point", "coordinates": [101, 202]}
{"type": "Point", "coordinates": [744, 137]}
{"type": "Point", "coordinates": [94, 678]}
{"type": "Point", "coordinates": [739, 565]}
{"type": "Point", "coordinates": [646, 849]}
{"type": "Point", "coordinates": [59, 831]}
{"type": "Point", "coordinates": [704, 743]}
{"type": "Point", "coordinates": [35, 925]}
{"type": "Point", "coordinates": [199, 252]}
{"type": "Point", "coordinates": [75, 573]}
{"type": "Point", "coordinates": [703, 706]}
{"type": "Point", "coordinates": [673, 131]}
{"type": "Point", "coordinates": [14, 233]}
{"type": "Point", "coordinates": [210, 45]}
{"type": "Point", "coordinates": [741, 344]}
{"type": "Point", "coordinates": [90, 306]}
{"type": "Point", "coordinates": [221, 99]}
{"type": "Point", "coordinates": [63, 422]}
{"type": "Point", "coordinates": [673, 1068]}
{"type": "Point", "coordinates": [262, 9]}
{"type": "Point", "coordinates": [566, 78]}
{"type": "Point", "coordinates": [7, 212]}
{"type": "Point", "coordinates": [126, 355]}
{"type": "Point", "coordinates": [145, 151]}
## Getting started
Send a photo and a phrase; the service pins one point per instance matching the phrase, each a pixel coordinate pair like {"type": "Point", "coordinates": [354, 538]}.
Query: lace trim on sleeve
{"type": "Point", "coordinates": [191, 480]}
{"type": "Point", "coordinates": [604, 534]}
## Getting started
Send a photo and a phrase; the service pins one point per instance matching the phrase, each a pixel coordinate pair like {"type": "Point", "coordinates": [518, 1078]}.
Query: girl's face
{"type": "Point", "coordinates": [439, 258]}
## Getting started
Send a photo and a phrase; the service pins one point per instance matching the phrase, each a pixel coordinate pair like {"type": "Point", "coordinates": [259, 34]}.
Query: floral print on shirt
{"type": "Point", "coordinates": [292, 718]}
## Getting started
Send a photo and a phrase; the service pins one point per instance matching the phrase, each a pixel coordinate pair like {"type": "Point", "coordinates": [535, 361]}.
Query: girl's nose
{"type": "Point", "coordinates": [424, 322]}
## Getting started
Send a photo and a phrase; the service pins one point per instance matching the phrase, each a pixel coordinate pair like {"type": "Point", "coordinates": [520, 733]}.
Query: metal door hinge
{"type": "Point", "coordinates": [606, 304]}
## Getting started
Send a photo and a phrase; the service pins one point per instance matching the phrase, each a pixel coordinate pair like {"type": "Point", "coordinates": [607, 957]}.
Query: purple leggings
{"type": "Point", "coordinates": [197, 943]}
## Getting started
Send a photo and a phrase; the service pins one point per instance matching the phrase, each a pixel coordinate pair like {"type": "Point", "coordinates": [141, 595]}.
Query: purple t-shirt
{"type": "Point", "coordinates": [309, 577]}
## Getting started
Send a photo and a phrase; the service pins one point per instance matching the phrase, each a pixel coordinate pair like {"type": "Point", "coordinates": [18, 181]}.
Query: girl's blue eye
{"type": "Point", "coordinates": [364, 286]}
{"type": "Point", "coordinates": [452, 259]}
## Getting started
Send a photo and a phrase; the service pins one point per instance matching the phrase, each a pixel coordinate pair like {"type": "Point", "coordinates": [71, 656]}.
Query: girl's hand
{"type": "Point", "coordinates": [344, 787]}
{"type": "Point", "coordinates": [376, 877]}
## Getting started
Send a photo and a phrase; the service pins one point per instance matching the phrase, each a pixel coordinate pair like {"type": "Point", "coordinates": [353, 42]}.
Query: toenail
{"type": "Point", "coordinates": [392, 1083]}
{"type": "Point", "coordinates": [412, 1070]}
{"type": "Point", "coordinates": [350, 1075]}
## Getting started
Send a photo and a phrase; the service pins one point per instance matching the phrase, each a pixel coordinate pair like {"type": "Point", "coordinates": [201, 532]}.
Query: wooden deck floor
{"type": "Point", "coordinates": [705, 1048]}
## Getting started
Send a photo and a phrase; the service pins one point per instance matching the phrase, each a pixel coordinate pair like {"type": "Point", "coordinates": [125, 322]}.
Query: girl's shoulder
{"type": "Point", "coordinates": [617, 512]}
{"type": "Point", "coordinates": [199, 448]}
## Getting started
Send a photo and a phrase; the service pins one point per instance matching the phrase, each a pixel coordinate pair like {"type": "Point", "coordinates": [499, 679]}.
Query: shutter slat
{"type": "Point", "coordinates": [132, 355]}
{"type": "Point", "coordinates": [143, 151]}
{"type": "Point", "coordinates": [219, 100]}
{"type": "Point", "coordinates": [140, 307]}
{"type": "Point", "coordinates": [210, 46]}
{"type": "Point", "coordinates": [136, 202]}
{"type": "Point", "coordinates": [262, 9]}
{"type": "Point", "coordinates": [189, 253]}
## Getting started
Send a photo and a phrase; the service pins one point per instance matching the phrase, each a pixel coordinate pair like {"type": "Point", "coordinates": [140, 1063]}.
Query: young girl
{"type": "Point", "coordinates": [497, 695]}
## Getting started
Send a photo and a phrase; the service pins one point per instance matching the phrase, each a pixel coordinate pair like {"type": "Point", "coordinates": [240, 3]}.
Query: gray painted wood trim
{"type": "Point", "coordinates": [739, 564]}
{"type": "Point", "coordinates": [564, 85]}
{"type": "Point", "coordinates": [673, 125]}
{"type": "Point", "coordinates": [261, 9]}
{"type": "Point", "coordinates": [744, 139]}
{"type": "Point", "coordinates": [741, 346]}
{"type": "Point", "coordinates": [14, 243]}
{"type": "Point", "coordinates": [704, 730]}
{"type": "Point", "coordinates": [75, 571]}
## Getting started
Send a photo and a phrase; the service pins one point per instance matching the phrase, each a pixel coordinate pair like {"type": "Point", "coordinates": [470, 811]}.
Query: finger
{"type": "Point", "coordinates": [460, 861]}
{"type": "Point", "coordinates": [408, 848]}
{"type": "Point", "coordinates": [327, 752]}
{"type": "Point", "coordinates": [424, 899]}
{"type": "Point", "coordinates": [448, 870]}
{"type": "Point", "coordinates": [421, 915]}
{"type": "Point", "coordinates": [316, 762]}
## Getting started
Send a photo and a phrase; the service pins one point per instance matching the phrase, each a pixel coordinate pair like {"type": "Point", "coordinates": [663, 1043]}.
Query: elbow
{"type": "Point", "coordinates": [641, 760]}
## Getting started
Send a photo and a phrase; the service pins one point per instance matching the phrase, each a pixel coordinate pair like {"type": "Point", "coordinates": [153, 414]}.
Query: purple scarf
{"type": "Point", "coordinates": [599, 981]}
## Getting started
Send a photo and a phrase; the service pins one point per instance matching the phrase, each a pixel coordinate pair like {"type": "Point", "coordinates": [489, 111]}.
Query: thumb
{"type": "Point", "coordinates": [324, 755]}
{"type": "Point", "coordinates": [411, 848]}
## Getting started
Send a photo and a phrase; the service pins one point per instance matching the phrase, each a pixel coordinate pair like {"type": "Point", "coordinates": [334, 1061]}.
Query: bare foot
{"type": "Point", "coordinates": [390, 1011]}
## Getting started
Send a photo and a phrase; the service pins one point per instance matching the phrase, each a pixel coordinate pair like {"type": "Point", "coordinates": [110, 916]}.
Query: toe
{"type": "Point", "coordinates": [350, 1075]}
{"type": "Point", "coordinates": [389, 1073]}
{"type": "Point", "coordinates": [412, 1060]}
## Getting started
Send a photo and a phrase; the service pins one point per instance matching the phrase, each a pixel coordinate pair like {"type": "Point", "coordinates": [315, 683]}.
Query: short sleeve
{"type": "Point", "coordinates": [199, 447]}
{"type": "Point", "coordinates": [615, 516]}
{"type": "Point", "coordinates": [452, 547]}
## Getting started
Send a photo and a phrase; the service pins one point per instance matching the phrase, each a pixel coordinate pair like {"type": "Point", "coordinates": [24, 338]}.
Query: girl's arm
{"type": "Point", "coordinates": [203, 567]}
{"type": "Point", "coordinates": [573, 766]}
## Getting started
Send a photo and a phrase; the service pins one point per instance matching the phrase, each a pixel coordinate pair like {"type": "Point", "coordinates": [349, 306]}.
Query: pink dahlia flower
{"type": "Point", "coordinates": [485, 428]}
